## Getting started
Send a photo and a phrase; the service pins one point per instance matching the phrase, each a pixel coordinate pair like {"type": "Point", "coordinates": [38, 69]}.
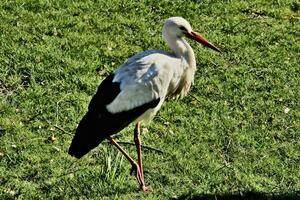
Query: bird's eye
{"type": "Point", "coordinates": [182, 28]}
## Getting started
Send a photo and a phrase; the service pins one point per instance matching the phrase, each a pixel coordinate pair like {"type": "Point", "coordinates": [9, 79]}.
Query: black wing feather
{"type": "Point", "coordinates": [98, 123]}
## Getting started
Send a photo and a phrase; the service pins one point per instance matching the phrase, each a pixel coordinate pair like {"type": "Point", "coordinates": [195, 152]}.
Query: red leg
{"type": "Point", "coordinates": [135, 166]}
{"type": "Point", "coordinates": [137, 141]}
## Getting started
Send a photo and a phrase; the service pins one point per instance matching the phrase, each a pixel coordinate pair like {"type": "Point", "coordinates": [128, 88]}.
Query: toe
{"type": "Point", "coordinates": [146, 189]}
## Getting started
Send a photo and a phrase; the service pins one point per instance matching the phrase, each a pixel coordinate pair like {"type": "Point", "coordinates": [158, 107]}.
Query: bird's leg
{"type": "Point", "coordinates": [135, 166]}
{"type": "Point", "coordinates": [137, 142]}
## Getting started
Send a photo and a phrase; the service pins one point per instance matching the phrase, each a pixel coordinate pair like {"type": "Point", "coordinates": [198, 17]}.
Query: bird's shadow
{"type": "Point", "coordinates": [243, 196]}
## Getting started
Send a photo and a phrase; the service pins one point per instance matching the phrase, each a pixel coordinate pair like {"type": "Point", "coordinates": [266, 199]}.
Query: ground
{"type": "Point", "coordinates": [236, 133]}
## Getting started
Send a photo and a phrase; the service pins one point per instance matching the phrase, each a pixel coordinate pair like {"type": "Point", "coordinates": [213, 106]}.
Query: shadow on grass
{"type": "Point", "coordinates": [246, 196]}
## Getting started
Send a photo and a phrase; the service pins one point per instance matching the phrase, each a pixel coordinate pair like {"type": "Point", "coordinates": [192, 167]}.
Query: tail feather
{"type": "Point", "coordinates": [87, 136]}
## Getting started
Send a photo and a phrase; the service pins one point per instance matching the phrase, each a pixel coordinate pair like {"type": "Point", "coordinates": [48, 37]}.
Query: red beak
{"type": "Point", "coordinates": [196, 36]}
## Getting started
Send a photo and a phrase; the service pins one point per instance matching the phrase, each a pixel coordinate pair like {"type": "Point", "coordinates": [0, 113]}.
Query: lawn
{"type": "Point", "coordinates": [235, 134]}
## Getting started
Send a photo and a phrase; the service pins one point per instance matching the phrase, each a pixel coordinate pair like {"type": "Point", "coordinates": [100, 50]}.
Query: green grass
{"type": "Point", "coordinates": [231, 135]}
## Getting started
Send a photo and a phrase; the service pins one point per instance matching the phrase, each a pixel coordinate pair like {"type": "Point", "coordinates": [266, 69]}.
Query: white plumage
{"type": "Point", "coordinates": [145, 77]}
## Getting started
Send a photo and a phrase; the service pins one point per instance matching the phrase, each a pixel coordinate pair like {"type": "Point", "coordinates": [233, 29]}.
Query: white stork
{"type": "Point", "coordinates": [137, 90]}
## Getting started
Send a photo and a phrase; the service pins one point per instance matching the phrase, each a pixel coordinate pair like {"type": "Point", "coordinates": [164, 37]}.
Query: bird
{"type": "Point", "coordinates": [135, 92]}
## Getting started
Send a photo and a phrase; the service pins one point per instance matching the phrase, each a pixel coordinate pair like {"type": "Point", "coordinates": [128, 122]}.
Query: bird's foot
{"type": "Point", "coordinates": [146, 189]}
{"type": "Point", "coordinates": [135, 171]}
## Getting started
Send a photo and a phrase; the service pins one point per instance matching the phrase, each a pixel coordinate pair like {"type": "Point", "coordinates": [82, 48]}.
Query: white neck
{"type": "Point", "coordinates": [182, 49]}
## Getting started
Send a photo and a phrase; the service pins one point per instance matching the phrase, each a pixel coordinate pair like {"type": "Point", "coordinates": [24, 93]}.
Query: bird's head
{"type": "Point", "coordinates": [178, 27]}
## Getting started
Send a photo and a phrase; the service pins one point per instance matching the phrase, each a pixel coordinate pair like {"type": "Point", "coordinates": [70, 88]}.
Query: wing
{"type": "Point", "coordinates": [142, 79]}
{"type": "Point", "coordinates": [98, 123]}
{"type": "Point", "coordinates": [138, 86]}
